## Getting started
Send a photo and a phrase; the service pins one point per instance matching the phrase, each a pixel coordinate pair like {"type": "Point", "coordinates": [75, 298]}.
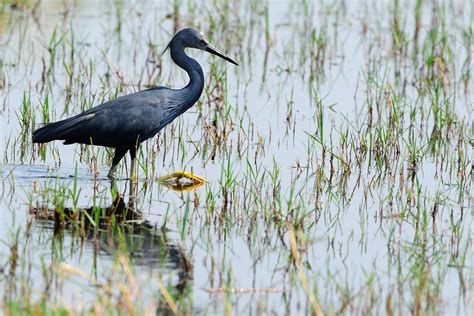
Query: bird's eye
{"type": "Point", "coordinates": [201, 41]}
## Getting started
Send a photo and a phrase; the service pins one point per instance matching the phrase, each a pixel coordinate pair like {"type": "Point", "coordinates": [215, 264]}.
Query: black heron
{"type": "Point", "coordinates": [127, 121]}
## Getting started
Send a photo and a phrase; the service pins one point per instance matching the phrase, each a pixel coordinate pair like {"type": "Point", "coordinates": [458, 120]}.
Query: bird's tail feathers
{"type": "Point", "coordinates": [47, 133]}
{"type": "Point", "coordinates": [57, 130]}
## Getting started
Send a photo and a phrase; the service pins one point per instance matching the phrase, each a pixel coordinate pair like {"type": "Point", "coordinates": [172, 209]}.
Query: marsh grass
{"type": "Point", "coordinates": [338, 161]}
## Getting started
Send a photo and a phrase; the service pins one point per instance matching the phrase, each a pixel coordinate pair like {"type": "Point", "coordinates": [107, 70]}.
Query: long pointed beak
{"type": "Point", "coordinates": [211, 49]}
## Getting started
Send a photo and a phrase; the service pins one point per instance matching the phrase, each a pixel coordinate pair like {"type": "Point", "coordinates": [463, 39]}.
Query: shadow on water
{"type": "Point", "coordinates": [121, 229]}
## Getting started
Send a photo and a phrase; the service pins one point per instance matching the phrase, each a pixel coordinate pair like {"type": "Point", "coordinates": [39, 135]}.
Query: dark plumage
{"type": "Point", "coordinates": [129, 120]}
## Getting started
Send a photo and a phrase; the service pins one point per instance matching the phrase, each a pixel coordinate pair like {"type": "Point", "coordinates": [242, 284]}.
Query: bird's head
{"type": "Point", "coordinates": [192, 38]}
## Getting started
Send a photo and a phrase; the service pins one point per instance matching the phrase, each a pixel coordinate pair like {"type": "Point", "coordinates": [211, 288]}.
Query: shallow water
{"type": "Point", "coordinates": [280, 140]}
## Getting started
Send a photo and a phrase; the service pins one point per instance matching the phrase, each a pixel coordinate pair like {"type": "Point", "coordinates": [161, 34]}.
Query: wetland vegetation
{"type": "Point", "coordinates": [334, 165]}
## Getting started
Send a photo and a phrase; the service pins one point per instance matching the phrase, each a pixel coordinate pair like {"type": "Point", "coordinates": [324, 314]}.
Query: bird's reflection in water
{"type": "Point", "coordinates": [121, 228]}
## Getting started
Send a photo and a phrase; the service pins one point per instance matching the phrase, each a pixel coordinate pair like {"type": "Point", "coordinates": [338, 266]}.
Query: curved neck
{"type": "Point", "coordinates": [193, 90]}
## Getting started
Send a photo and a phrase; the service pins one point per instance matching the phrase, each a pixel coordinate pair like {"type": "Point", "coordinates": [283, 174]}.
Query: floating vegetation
{"type": "Point", "coordinates": [181, 181]}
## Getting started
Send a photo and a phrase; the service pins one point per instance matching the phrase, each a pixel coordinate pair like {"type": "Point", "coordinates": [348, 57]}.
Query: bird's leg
{"type": "Point", "coordinates": [119, 153]}
{"type": "Point", "coordinates": [133, 167]}
{"type": "Point", "coordinates": [111, 174]}
{"type": "Point", "coordinates": [133, 170]}
{"type": "Point", "coordinates": [133, 175]}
